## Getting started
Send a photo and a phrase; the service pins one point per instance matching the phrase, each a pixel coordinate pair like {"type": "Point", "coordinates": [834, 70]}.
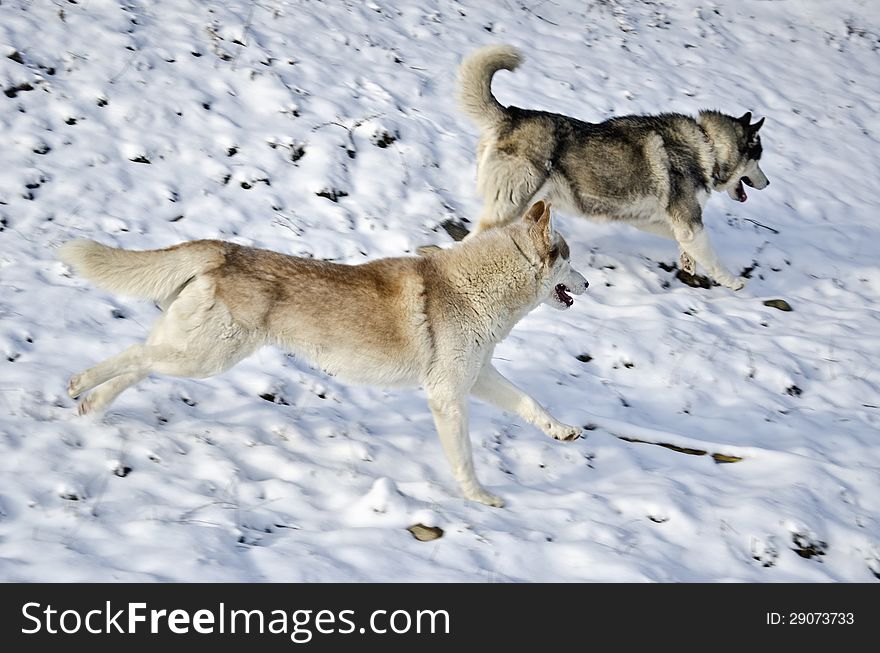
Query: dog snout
{"type": "Point", "coordinates": [758, 184]}
{"type": "Point", "coordinates": [576, 282]}
{"type": "Point", "coordinates": [756, 178]}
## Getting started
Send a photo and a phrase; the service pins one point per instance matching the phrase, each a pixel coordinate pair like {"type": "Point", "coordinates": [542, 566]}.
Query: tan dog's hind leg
{"type": "Point", "coordinates": [104, 394]}
{"type": "Point", "coordinates": [196, 337]}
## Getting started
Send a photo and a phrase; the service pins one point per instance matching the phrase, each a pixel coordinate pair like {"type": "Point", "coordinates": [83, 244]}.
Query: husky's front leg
{"type": "Point", "coordinates": [701, 250]}
{"type": "Point", "coordinates": [694, 241]}
{"type": "Point", "coordinates": [661, 228]}
{"type": "Point", "coordinates": [451, 418]}
{"type": "Point", "coordinates": [493, 388]}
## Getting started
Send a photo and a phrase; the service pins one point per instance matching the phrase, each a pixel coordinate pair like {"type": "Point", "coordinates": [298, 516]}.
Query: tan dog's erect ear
{"type": "Point", "coordinates": [536, 212]}
{"type": "Point", "coordinates": [539, 214]}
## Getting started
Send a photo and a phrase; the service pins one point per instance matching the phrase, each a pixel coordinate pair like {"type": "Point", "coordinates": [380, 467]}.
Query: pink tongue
{"type": "Point", "coordinates": [563, 295]}
{"type": "Point", "coordinates": [741, 193]}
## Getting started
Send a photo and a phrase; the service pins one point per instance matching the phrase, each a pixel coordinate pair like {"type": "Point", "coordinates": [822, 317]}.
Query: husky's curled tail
{"type": "Point", "coordinates": [475, 83]}
{"type": "Point", "coordinates": [157, 274]}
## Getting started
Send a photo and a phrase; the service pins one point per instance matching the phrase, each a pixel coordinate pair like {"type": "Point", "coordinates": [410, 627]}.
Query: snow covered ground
{"type": "Point", "coordinates": [329, 129]}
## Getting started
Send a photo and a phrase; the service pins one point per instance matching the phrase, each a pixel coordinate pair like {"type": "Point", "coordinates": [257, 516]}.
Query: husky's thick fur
{"type": "Point", "coordinates": [654, 172]}
{"type": "Point", "coordinates": [431, 321]}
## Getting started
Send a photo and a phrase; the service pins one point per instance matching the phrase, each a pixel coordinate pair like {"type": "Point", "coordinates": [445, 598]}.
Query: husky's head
{"type": "Point", "coordinates": [557, 280]}
{"type": "Point", "coordinates": [738, 150]}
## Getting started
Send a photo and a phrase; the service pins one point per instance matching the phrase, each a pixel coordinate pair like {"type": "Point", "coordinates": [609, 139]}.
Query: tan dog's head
{"type": "Point", "coordinates": [557, 280]}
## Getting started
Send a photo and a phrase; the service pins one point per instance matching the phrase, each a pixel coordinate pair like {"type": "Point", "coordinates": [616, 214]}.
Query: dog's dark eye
{"type": "Point", "coordinates": [562, 247]}
{"type": "Point", "coordinates": [559, 248]}
{"type": "Point", "coordinates": [753, 148]}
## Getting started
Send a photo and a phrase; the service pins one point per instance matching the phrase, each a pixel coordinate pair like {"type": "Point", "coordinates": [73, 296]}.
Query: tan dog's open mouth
{"type": "Point", "coordinates": [562, 293]}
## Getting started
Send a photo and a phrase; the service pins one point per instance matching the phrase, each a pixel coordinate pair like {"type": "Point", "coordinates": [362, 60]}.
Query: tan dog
{"type": "Point", "coordinates": [430, 321]}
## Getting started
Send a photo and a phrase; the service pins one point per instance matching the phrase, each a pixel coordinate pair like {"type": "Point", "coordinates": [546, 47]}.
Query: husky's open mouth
{"type": "Point", "coordinates": [739, 193]}
{"type": "Point", "coordinates": [562, 294]}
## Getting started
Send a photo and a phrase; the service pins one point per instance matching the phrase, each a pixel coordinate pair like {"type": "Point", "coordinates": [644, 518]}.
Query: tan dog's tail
{"type": "Point", "coordinates": [475, 83]}
{"type": "Point", "coordinates": [154, 274]}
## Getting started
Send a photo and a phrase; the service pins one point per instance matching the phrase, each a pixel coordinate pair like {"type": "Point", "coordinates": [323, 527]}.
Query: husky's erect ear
{"type": "Point", "coordinates": [746, 118]}
{"type": "Point", "coordinates": [753, 129]}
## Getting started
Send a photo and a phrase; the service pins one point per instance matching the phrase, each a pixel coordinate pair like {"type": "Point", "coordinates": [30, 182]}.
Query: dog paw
{"type": "Point", "coordinates": [427, 250]}
{"type": "Point", "coordinates": [85, 407]}
{"type": "Point", "coordinates": [734, 283]}
{"type": "Point", "coordinates": [688, 264]}
{"type": "Point", "coordinates": [96, 402]}
{"type": "Point", "coordinates": [563, 432]}
{"type": "Point", "coordinates": [482, 496]}
{"type": "Point", "coordinates": [75, 386]}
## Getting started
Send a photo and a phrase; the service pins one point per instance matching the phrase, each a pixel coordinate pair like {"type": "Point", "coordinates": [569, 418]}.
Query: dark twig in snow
{"type": "Point", "coordinates": [244, 34]}
{"type": "Point", "coordinates": [761, 225]}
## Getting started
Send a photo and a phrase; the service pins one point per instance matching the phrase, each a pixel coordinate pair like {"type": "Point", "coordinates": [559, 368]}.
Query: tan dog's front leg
{"type": "Point", "coordinates": [451, 419]}
{"type": "Point", "coordinates": [493, 388]}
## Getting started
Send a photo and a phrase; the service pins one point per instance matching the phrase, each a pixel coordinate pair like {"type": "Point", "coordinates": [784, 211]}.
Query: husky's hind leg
{"type": "Point", "coordinates": [508, 185]}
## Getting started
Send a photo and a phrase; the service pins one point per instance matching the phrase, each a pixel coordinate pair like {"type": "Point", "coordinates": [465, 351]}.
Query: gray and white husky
{"type": "Point", "coordinates": [653, 172]}
{"type": "Point", "coordinates": [431, 321]}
